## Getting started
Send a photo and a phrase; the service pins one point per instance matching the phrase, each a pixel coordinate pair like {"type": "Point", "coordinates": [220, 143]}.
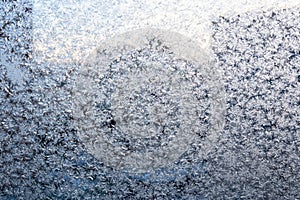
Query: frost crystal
{"type": "Point", "coordinates": [50, 108]}
{"type": "Point", "coordinates": [139, 107]}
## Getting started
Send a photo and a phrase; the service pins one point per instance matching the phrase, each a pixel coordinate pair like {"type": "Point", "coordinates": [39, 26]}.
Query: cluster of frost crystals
{"type": "Point", "coordinates": [141, 109]}
{"type": "Point", "coordinates": [260, 56]}
{"type": "Point", "coordinates": [255, 157]}
{"type": "Point", "coordinates": [15, 44]}
{"type": "Point", "coordinates": [15, 53]}
{"type": "Point", "coordinates": [41, 155]}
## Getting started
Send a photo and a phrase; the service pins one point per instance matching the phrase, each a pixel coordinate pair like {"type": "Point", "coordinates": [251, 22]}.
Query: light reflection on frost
{"type": "Point", "coordinates": [139, 103]}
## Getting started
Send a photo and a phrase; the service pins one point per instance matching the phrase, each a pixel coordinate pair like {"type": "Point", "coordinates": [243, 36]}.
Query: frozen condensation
{"type": "Point", "coordinates": [254, 156]}
{"type": "Point", "coordinates": [67, 30]}
{"type": "Point", "coordinates": [144, 96]}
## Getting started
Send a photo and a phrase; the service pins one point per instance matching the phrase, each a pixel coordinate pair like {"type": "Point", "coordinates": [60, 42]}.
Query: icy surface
{"type": "Point", "coordinates": [255, 157]}
{"type": "Point", "coordinates": [139, 104]}
{"type": "Point", "coordinates": [68, 30]}
{"type": "Point", "coordinates": [260, 56]}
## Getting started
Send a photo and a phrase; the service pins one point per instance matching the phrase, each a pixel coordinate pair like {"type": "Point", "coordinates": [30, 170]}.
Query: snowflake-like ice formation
{"type": "Point", "coordinates": [143, 97]}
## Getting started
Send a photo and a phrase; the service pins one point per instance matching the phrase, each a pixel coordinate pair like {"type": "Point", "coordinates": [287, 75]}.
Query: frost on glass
{"type": "Point", "coordinates": [41, 155]}
{"type": "Point", "coordinates": [143, 97]}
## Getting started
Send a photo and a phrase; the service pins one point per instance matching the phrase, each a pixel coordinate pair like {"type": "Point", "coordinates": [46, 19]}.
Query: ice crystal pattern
{"type": "Point", "coordinates": [140, 109]}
